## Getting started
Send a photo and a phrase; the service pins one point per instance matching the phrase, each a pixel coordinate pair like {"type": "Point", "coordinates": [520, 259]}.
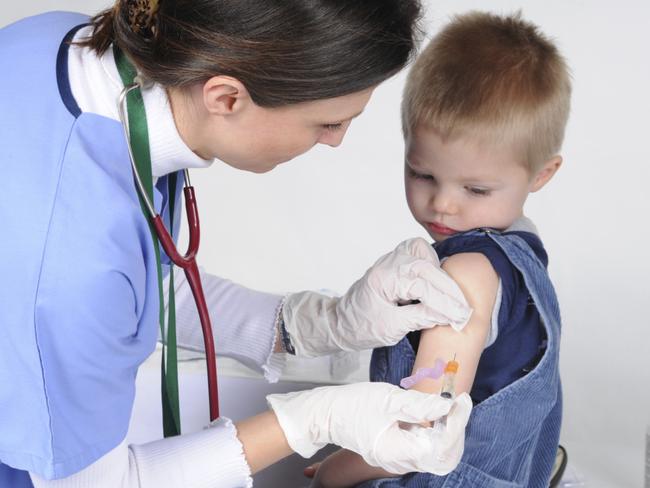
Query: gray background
{"type": "Point", "coordinates": [320, 221]}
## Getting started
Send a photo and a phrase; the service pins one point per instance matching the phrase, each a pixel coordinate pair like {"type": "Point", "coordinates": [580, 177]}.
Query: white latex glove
{"type": "Point", "coordinates": [366, 418]}
{"type": "Point", "coordinates": [368, 315]}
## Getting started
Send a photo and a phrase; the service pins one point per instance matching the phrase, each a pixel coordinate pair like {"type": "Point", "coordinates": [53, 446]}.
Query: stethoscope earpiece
{"type": "Point", "coordinates": [142, 82]}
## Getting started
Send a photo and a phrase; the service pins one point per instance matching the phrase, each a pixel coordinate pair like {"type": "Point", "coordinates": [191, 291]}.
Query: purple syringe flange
{"type": "Point", "coordinates": [436, 372]}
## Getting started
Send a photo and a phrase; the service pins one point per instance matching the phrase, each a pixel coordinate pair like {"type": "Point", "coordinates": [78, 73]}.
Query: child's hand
{"type": "Point", "coordinates": [310, 471]}
{"type": "Point", "coordinates": [324, 475]}
{"type": "Point", "coordinates": [343, 469]}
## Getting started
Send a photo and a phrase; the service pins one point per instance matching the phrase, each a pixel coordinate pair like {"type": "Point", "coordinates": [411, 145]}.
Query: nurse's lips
{"type": "Point", "coordinates": [440, 229]}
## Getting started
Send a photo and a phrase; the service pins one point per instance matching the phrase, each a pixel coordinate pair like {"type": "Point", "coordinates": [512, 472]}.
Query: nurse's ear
{"type": "Point", "coordinates": [225, 95]}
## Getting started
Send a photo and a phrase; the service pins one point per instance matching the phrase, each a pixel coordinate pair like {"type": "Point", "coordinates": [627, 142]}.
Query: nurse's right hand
{"type": "Point", "coordinates": [369, 315]}
{"type": "Point", "coordinates": [379, 421]}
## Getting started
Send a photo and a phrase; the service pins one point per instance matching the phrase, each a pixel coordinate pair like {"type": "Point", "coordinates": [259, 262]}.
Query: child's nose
{"type": "Point", "coordinates": [443, 202]}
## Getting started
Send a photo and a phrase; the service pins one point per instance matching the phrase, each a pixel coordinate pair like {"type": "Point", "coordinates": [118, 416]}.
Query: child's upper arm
{"type": "Point", "coordinates": [479, 282]}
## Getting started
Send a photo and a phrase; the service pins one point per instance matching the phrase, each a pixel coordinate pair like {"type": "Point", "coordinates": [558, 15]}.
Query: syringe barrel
{"type": "Point", "coordinates": [448, 389]}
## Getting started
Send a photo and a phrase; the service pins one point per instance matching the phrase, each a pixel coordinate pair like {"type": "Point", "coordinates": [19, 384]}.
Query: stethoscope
{"type": "Point", "coordinates": [188, 261]}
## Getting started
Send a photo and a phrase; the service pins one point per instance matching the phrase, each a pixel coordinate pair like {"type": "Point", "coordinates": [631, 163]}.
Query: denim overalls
{"type": "Point", "coordinates": [512, 437]}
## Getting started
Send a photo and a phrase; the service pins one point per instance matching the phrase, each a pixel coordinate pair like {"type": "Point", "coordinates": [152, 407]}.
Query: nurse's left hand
{"type": "Point", "coordinates": [380, 422]}
{"type": "Point", "coordinates": [370, 314]}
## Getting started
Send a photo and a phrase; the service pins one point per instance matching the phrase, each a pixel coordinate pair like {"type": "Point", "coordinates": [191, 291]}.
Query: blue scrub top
{"type": "Point", "coordinates": [78, 297]}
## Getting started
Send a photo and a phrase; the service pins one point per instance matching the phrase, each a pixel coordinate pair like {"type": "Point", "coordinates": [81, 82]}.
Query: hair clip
{"type": "Point", "coordinates": [141, 14]}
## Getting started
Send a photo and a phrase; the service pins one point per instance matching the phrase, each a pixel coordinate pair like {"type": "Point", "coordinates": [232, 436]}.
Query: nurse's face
{"type": "Point", "coordinates": [229, 126]}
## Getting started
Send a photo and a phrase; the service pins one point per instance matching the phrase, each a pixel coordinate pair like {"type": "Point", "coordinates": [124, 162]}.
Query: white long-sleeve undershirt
{"type": "Point", "coordinates": [244, 321]}
{"type": "Point", "coordinates": [200, 460]}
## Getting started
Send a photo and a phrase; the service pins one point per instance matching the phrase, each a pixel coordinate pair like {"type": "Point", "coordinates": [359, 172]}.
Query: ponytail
{"type": "Point", "coordinates": [283, 51]}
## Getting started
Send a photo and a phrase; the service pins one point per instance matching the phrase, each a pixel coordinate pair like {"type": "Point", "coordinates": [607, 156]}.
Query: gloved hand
{"type": "Point", "coordinates": [367, 418]}
{"type": "Point", "coordinates": [368, 315]}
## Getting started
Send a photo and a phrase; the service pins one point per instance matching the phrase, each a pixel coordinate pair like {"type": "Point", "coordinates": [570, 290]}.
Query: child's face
{"type": "Point", "coordinates": [454, 186]}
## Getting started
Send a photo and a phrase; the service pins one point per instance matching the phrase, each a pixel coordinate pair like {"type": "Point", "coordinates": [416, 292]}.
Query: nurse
{"type": "Point", "coordinates": [251, 84]}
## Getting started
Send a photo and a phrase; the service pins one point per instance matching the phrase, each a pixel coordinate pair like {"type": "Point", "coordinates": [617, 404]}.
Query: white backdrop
{"type": "Point", "coordinates": [321, 220]}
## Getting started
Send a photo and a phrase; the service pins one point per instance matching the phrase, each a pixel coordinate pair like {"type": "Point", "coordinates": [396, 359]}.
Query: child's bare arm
{"type": "Point", "coordinates": [479, 282]}
{"type": "Point", "coordinates": [345, 469]}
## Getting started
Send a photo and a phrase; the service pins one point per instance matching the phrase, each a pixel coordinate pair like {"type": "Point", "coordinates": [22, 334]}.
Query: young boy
{"type": "Point", "coordinates": [484, 113]}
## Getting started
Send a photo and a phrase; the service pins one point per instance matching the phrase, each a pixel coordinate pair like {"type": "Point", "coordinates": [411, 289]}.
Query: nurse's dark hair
{"type": "Point", "coordinates": [283, 51]}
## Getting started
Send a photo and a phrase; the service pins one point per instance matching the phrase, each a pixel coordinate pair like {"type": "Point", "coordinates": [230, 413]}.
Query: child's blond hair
{"type": "Point", "coordinates": [497, 79]}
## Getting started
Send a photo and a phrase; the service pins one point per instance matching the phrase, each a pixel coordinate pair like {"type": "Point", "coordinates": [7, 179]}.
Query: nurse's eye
{"type": "Point", "coordinates": [333, 127]}
{"type": "Point", "coordinates": [418, 176]}
{"type": "Point", "coordinates": [481, 192]}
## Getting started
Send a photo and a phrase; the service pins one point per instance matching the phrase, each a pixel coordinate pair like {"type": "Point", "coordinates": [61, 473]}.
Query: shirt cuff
{"type": "Point", "coordinates": [212, 457]}
{"type": "Point", "coordinates": [244, 322]}
{"type": "Point", "coordinates": [275, 362]}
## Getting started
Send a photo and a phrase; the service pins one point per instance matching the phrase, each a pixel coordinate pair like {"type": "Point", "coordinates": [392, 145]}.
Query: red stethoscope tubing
{"type": "Point", "coordinates": [188, 263]}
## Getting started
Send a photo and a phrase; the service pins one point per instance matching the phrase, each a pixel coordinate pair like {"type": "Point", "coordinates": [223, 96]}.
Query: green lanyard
{"type": "Point", "coordinates": [139, 137]}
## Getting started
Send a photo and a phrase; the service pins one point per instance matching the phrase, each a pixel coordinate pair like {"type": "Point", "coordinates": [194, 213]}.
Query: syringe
{"type": "Point", "coordinates": [448, 390]}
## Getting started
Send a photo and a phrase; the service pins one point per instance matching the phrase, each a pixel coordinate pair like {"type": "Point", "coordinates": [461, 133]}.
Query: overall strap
{"type": "Point", "coordinates": [536, 278]}
{"type": "Point", "coordinates": [139, 139]}
{"type": "Point", "coordinates": [505, 422]}
{"type": "Point", "coordinates": [546, 373]}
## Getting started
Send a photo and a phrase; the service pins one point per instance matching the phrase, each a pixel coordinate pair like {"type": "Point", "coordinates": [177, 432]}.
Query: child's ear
{"type": "Point", "coordinates": [545, 174]}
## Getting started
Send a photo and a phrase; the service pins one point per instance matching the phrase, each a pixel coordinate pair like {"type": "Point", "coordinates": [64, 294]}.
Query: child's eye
{"type": "Point", "coordinates": [478, 191]}
{"type": "Point", "coordinates": [418, 176]}
{"type": "Point", "coordinates": [333, 127]}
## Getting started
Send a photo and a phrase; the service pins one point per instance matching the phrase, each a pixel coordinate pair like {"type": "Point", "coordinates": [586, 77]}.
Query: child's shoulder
{"type": "Point", "coordinates": [485, 242]}
{"type": "Point", "coordinates": [478, 261]}
{"type": "Point", "coordinates": [477, 278]}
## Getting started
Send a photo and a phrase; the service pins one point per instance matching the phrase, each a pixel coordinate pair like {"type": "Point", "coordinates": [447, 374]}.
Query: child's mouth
{"type": "Point", "coordinates": [440, 229]}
